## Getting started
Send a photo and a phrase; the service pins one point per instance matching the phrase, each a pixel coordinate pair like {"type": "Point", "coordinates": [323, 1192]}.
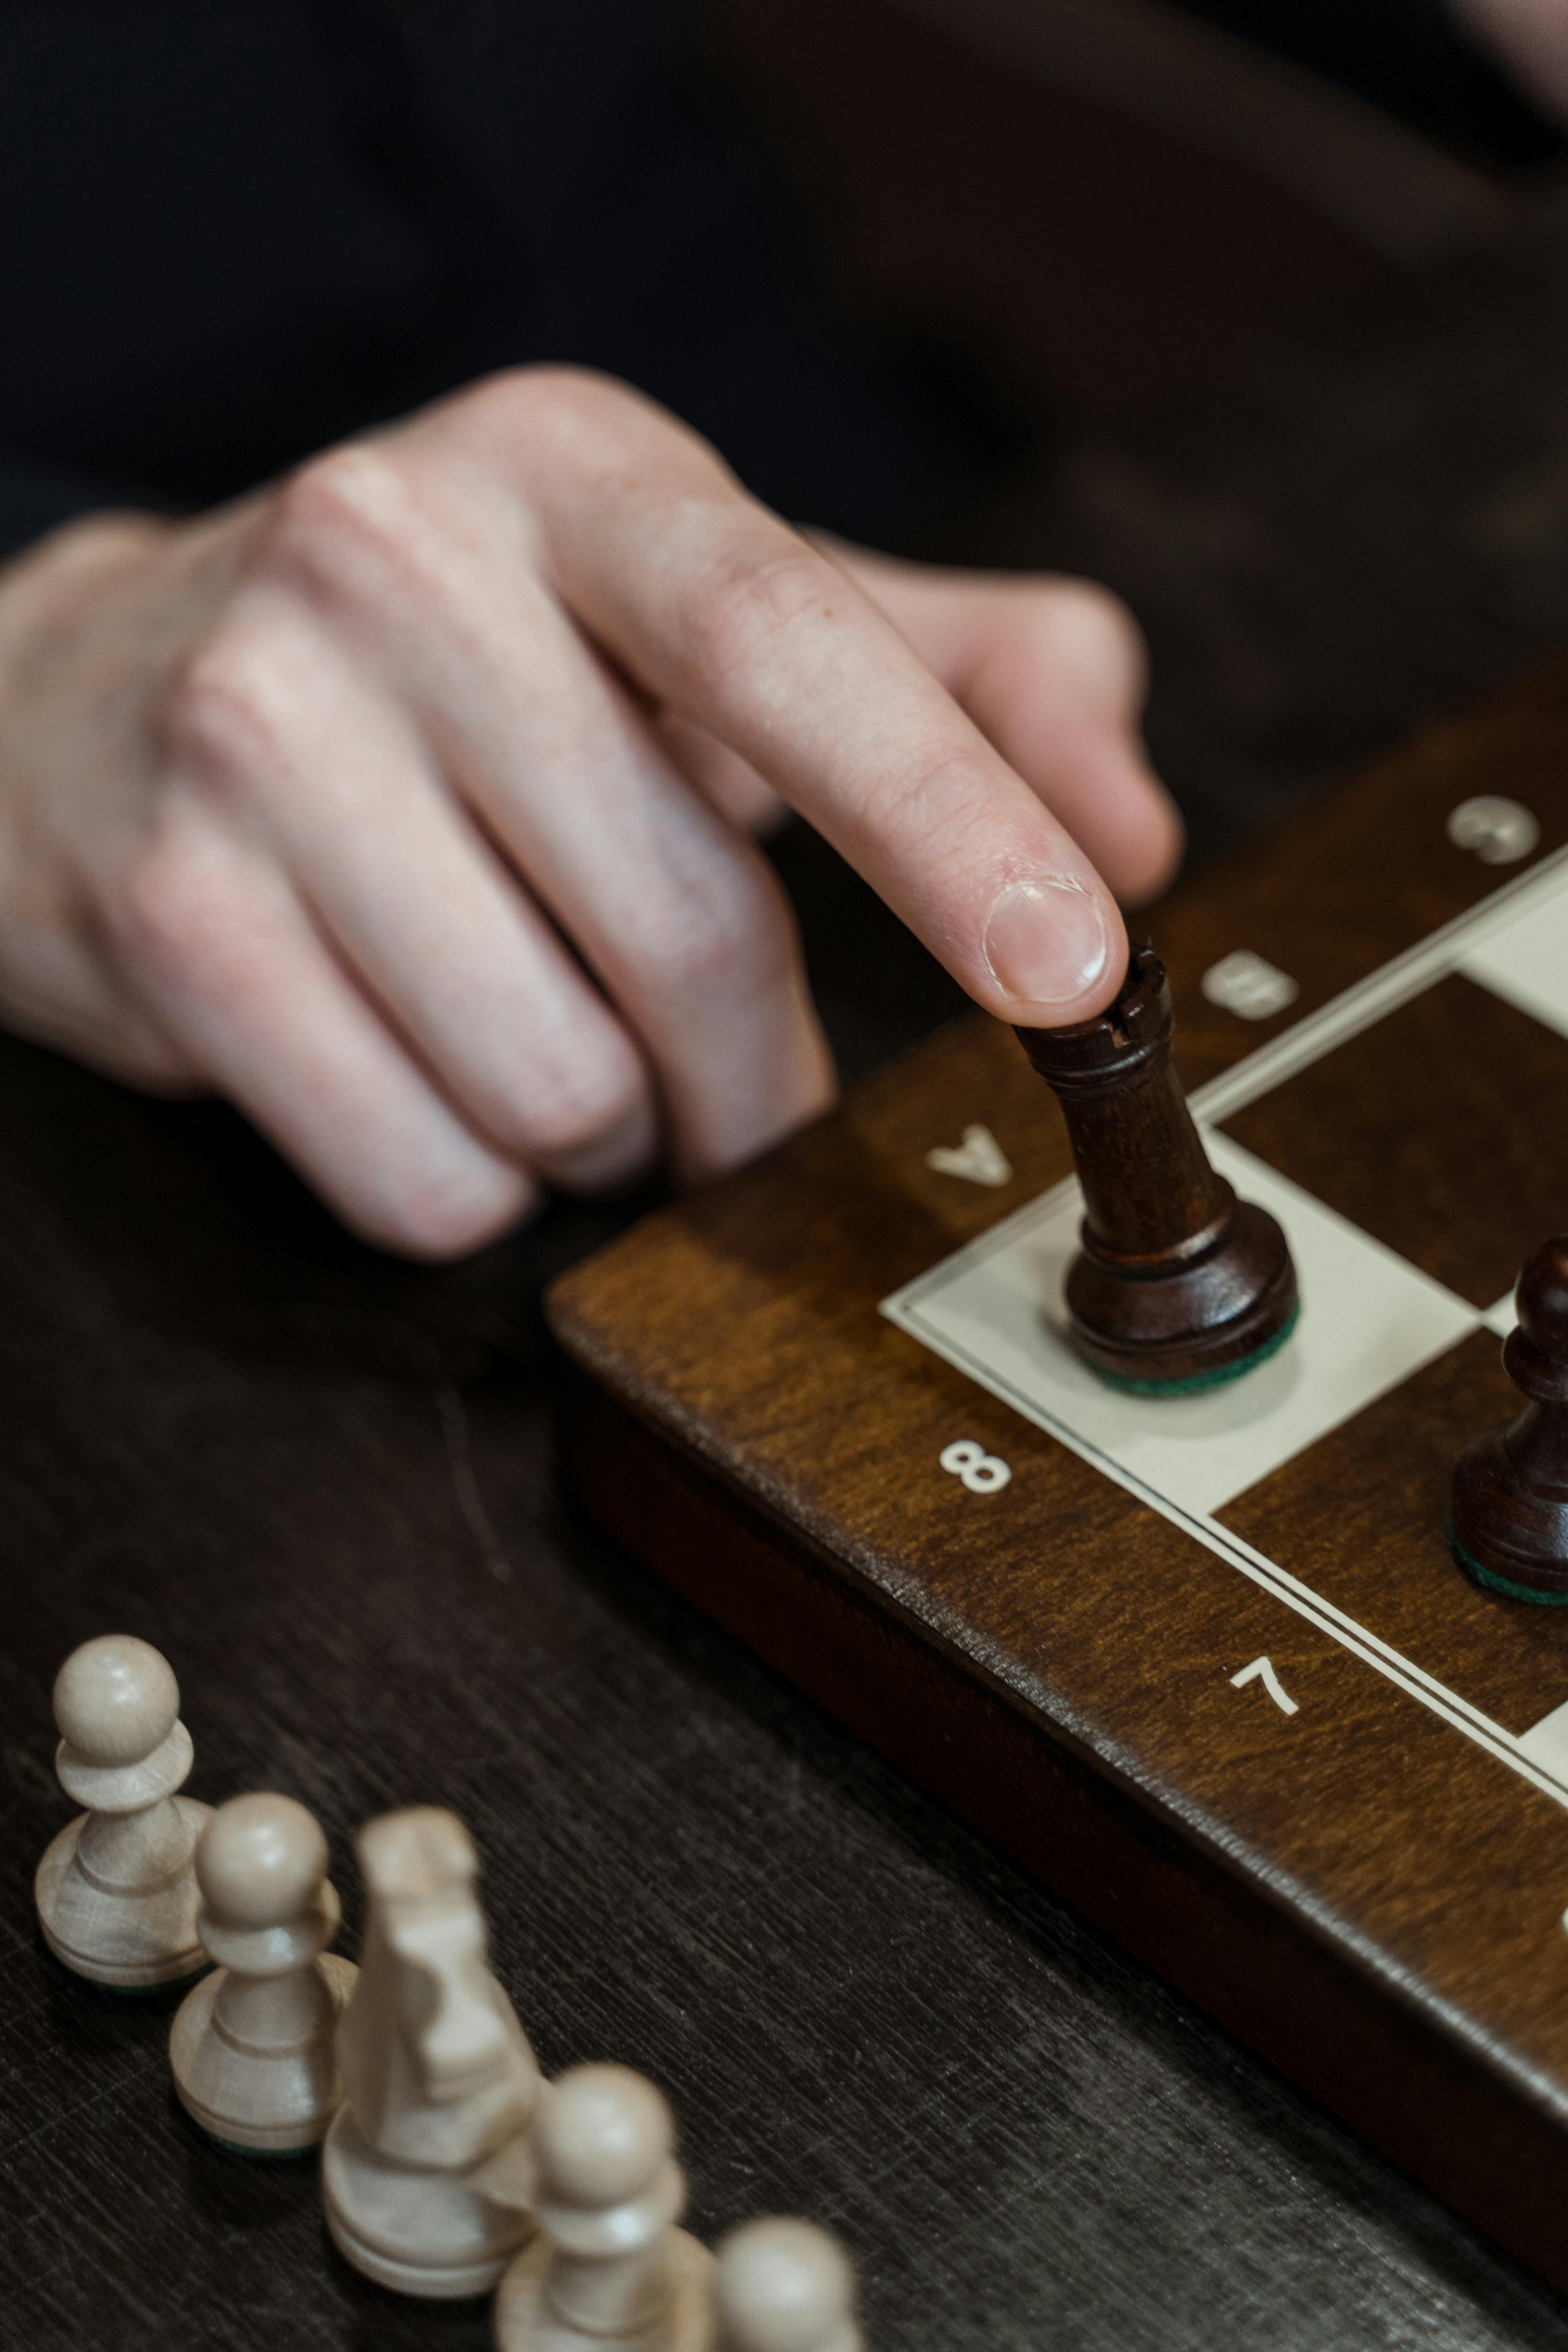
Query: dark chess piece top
{"type": "Point", "coordinates": [1508, 1526]}
{"type": "Point", "coordinates": [1178, 1285]}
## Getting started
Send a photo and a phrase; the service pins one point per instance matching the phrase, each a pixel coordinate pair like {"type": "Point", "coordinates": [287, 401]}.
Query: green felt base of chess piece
{"type": "Point", "coordinates": [1494, 1583]}
{"type": "Point", "coordinates": [170, 1992]}
{"type": "Point", "coordinates": [173, 1990]}
{"type": "Point", "coordinates": [1508, 1516]}
{"type": "Point", "coordinates": [1198, 1383]}
{"type": "Point", "coordinates": [260, 2155]}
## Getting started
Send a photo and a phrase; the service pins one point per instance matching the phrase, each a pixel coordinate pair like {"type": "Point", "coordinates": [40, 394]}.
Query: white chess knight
{"type": "Point", "coordinates": [116, 1891]}
{"type": "Point", "coordinates": [426, 2172]}
{"type": "Point", "coordinates": [784, 2286]}
{"type": "Point", "coordinates": [608, 2268]}
{"type": "Point", "coordinates": [253, 2045]}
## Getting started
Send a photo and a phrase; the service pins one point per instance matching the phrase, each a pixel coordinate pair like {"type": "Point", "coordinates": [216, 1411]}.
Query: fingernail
{"type": "Point", "coordinates": [1046, 941]}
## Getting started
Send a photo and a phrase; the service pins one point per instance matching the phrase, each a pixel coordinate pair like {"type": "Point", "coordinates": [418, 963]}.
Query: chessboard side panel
{"type": "Point", "coordinates": [1302, 2000]}
{"type": "Point", "coordinates": [1356, 1888]}
{"type": "Point", "coordinates": [738, 1327]}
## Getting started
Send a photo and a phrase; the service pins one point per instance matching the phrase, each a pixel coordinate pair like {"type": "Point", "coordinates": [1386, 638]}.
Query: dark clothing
{"type": "Point", "coordinates": [236, 230]}
{"type": "Point", "coordinates": [1411, 57]}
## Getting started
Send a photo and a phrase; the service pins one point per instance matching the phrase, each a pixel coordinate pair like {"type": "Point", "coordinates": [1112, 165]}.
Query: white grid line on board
{"type": "Point", "coordinates": [1391, 1664]}
{"type": "Point", "coordinates": [1381, 992]}
{"type": "Point", "coordinates": [1306, 1041]}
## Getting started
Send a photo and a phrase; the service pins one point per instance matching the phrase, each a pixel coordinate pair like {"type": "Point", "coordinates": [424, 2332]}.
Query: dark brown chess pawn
{"type": "Point", "coordinates": [1178, 1285]}
{"type": "Point", "coordinates": [1508, 1524]}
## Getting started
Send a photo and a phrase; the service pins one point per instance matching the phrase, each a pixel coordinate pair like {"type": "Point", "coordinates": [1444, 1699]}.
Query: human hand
{"type": "Point", "coordinates": [406, 803]}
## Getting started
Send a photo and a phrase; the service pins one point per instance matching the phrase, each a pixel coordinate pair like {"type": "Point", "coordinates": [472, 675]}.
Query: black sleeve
{"type": "Point", "coordinates": [36, 496]}
{"type": "Point", "coordinates": [1413, 57]}
{"type": "Point", "coordinates": [237, 231]}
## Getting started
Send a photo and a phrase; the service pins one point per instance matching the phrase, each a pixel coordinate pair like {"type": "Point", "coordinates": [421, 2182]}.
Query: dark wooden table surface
{"type": "Point", "coordinates": [321, 1483]}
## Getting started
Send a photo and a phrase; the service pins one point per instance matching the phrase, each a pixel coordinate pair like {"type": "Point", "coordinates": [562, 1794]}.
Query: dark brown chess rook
{"type": "Point", "coordinates": [1178, 1284]}
{"type": "Point", "coordinates": [1509, 1520]}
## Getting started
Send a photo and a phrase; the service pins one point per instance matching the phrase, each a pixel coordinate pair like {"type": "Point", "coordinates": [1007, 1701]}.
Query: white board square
{"type": "Point", "coordinates": [1368, 1320]}
{"type": "Point", "coordinates": [1526, 960]}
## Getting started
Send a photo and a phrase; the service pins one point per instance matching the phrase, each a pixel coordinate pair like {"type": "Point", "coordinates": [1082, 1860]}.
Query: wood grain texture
{"type": "Point", "coordinates": [1366, 1896]}
{"type": "Point", "coordinates": [321, 1483]}
{"type": "Point", "coordinates": [1463, 1175]}
{"type": "Point", "coordinates": [1382, 1546]}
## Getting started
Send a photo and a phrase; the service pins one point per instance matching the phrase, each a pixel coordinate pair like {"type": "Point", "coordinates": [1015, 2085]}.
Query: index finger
{"type": "Point", "coordinates": [723, 613]}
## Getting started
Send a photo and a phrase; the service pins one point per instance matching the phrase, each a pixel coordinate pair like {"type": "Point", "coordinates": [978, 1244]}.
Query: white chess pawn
{"type": "Point", "coordinates": [116, 1891]}
{"type": "Point", "coordinates": [426, 2175]}
{"type": "Point", "coordinates": [609, 2267]}
{"type": "Point", "coordinates": [785, 2287]}
{"type": "Point", "coordinates": [253, 2045]}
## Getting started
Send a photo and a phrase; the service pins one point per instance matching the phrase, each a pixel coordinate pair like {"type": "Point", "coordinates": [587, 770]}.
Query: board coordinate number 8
{"type": "Point", "coordinates": [982, 1473]}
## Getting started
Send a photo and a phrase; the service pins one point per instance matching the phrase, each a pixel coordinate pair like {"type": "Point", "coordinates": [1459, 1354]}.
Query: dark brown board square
{"type": "Point", "coordinates": [1360, 1517]}
{"type": "Point", "coordinates": [1442, 1130]}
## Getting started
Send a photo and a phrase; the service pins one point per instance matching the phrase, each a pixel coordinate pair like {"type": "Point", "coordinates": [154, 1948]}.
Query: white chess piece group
{"type": "Point", "coordinates": [449, 2167]}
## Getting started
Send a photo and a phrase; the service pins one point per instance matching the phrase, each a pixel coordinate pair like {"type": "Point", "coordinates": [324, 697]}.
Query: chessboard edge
{"type": "Point", "coordinates": [1367, 2048]}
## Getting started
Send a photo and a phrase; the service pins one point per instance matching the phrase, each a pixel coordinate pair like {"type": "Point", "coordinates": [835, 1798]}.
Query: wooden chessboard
{"type": "Point", "coordinates": [1206, 1664]}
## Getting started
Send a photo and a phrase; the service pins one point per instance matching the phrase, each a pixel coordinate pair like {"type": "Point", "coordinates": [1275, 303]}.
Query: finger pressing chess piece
{"type": "Point", "coordinates": [253, 2045]}
{"type": "Point", "coordinates": [1178, 1285]}
{"type": "Point", "coordinates": [427, 2174]}
{"type": "Point", "coordinates": [785, 2287]}
{"type": "Point", "coordinates": [1509, 1520]}
{"type": "Point", "coordinates": [609, 2267]}
{"type": "Point", "coordinates": [116, 1891]}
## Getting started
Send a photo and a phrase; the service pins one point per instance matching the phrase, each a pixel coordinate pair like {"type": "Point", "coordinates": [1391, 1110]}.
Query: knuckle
{"type": "Point", "coordinates": [348, 493]}
{"type": "Point", "coordinates": [733, 938]}
{"type": "Point", "coordinates": [745, 595]}
{"type": "Point", "coordinates": [568, 412]}
{"type": "Point", "coordinates": [406, 531]}
{"type": "Point", "coordinates": [218, 709]}
{"type": "Point", "coordinates": [160, 910]}
{"type": "Point", "coordinates": [1091, 624]}
{"type": "Point", "coordinates": [543, 396]}
{"type": "Point", "coordinates": [349, 525]}
{"type": "Point", "coordinates": [566, 1117]}
{"type": "Point", "coordinates": [945, 804]}
{"type": "Point", "coordinates": [1153, 863]}
{"type": "Point", "coordinates": [437, 1221]}
{"type": "Point", "coordinates": [1096, 604]}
